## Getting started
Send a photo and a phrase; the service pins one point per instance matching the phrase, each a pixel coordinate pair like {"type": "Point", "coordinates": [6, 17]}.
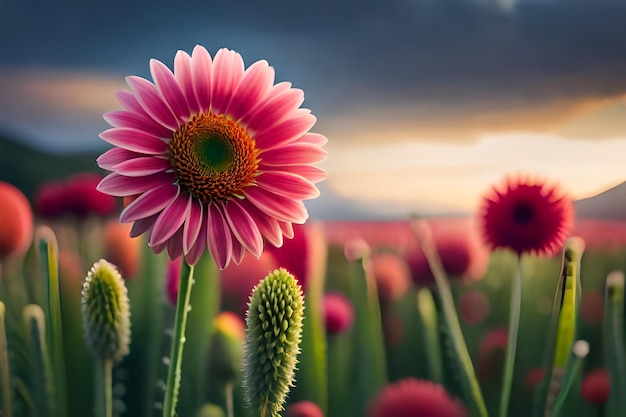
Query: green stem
{"type": "Point", "coordinates": [228, 393]}
{"type": "Point", "coordinates": [428, 315]}
{"type": "Point", "coordinates": [511, 344]}
{"type": "Point", "coordinates": [5, 374]}
{"type": "Point", "coordinates": [176, 356]}
{"type": "Point", "coordinates": [470, 385]}
{"type": "Point", "coordinates": [108, 387]}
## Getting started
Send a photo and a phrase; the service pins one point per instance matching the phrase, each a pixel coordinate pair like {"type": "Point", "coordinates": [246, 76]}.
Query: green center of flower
{"type": "Point", "coordinates": [213, 158]}
{"type": "Point", "coordinates": [523, 213]}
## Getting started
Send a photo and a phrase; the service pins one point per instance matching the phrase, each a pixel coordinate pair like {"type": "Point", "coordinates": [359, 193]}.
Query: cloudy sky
{"type": "Point", "coordinates": [425, 102]}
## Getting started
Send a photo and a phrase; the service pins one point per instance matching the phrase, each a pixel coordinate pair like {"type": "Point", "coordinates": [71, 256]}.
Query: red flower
{"type": "Point", "coordinates": [82, 198]}
{"type": "Point", "coordinates": [459, 248]}
{"type": "Point", "coordinates": [412, 397]}
{"type": "Point", "coordinates": [50, 200]}
{"type": "Point", "coordinates": [533, 377]}
{"type": "Point", "coordinates": [491, 353]}
{"type": "Point", "coordinates": [527, 215]}
{"type": "Point", "coordinates": [338, 313]}
{"type": "Point", "coordinates": [16, 221]}
{"type": "Point", "coordinates": [304, 409]}
{"type": "Point", "coordinates": [391, 274]}
{"type": "Point", "coordinates": [474, 306]}
{"type": "Point", "coordinates": [596, 386]}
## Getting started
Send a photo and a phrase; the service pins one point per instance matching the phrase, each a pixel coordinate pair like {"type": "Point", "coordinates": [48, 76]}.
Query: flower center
{"type": "Point", "coordinates": [523, 213]}
{"type": "Point", "coordinates": [213, 158]}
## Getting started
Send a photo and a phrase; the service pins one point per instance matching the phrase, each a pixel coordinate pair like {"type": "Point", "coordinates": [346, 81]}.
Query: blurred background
{"type": "Point", "coordinates": [425, 103]}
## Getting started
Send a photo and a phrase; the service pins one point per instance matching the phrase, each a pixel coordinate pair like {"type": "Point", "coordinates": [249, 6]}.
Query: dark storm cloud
{"type": "Point", "coordinates": [447, 56]}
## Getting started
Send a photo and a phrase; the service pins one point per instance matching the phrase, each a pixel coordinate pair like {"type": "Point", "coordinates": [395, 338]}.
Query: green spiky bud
{"type": "Point", "coordinates": [273, 334]}
{"type": "Point", "coordinates": [106, 312]}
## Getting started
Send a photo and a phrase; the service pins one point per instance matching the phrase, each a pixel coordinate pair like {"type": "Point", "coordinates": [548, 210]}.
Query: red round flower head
{"type": "Point", "coordinates": [82, 199]}
{"type": "Point", "coordinates": [533, 377]}
{"type": "Point", "coordinates": [491, 353]}
{"type": "Point", "coordinates": [412, 397]}
{"type": "Point", "coordinates": [596, 386]}
{"type": "Point", "coordinates": [392, 275]}
{"type": "Point", "coordinates": [304, 409]}
{"type": "Point", "coordinates": [474, 306]}
{"type": "Point", "coordinates": [592, 306]}
{"type": "Point", "coordinates": [50, 202]}
{"type": "Point", "coordinates": [527, 216]}
{"type": "Point", "coordinates": [219, 156]}
{"type": "Point", "coordinates": [16, 221]}
{"type": "Point", "coordinates": [458, 245]}
{"type": "Point", "coordinates": [338, 312]}
{"type": "Point", "coordinates": [299, 254]}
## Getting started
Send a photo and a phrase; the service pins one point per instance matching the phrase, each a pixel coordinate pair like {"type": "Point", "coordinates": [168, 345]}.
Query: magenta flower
{"type": "Point", "coordinates": [527, 215]}
{"type": "Point", "coordinates": [217, 155]}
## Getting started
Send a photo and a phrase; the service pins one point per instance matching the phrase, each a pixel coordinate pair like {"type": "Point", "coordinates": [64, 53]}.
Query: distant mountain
{"type": "Point", "coordinates": [27, 167]}
{"type": "Point", "coordinates": [608, 205]}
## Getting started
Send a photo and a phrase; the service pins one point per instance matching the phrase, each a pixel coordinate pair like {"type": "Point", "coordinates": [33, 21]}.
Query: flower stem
{"type": "Point", "coordinates": [511, 344]}
{"type": "Point", "coordinates": [104, 386]}
{"type": "Point", "coordinates": [176, 356]}
{"type": "Point", "coordinates": [469, 382]}
{"type": "Point", "coordinates": [228, 393]}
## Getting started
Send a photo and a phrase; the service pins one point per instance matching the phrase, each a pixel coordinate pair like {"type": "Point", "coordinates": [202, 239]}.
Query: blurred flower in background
{"type": "Point", "coordinates": [16, 222]}
{"type": "Point", "coordinates": [415, 398]}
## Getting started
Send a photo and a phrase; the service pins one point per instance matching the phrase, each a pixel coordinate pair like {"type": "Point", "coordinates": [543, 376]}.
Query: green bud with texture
{"type": "Point", "coordinates": [106, 312]}
{"type": "Point", "coordinates": [273, 334]}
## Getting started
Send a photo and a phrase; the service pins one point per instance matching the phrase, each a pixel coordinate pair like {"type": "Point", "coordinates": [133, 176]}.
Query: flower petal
{"type": "Point", "coordinates": [310, 172]}
{"type": "Point", "coordinates": [142, 226]}
{"type": "Point", "coordinates": [293, 154]}
{"type": "Point", "coordinates": [150, 203]}
{"type": "Point", "coordinates": [170, 90]}
{"type": "Point", "coordinates": [229, 69]}
{"type": "Point", "coordinates": [256, 83]}
{"type": "Point", "coordinates": [238, 251]}
{"type": "Point", "coordinates": [288, 185]}
{"type": "Point", "coordinates": [121, 186]}
{"type": "Point", "coordinates": [171, 219]}
{"type": "Point", "coordinates": [175, 245]}
{"type": "Point", "coordinates": [268, 226]}
{"type": "Point", "coordinates": [201, 72]}
{"type": "Point", "coordinates": [287, 131]}
{"type": "Point", "coordinates": [115, 156]}
{"type": "Point", "coordinates": [134, 140]}
{"type": "Point", "coordinates": [275, 109]}
{"type": "Point", "coordinates": [141, 166]}
{"type": "Point", "coordinates": [277, 206]}
{"type": "Point", "coordinates": [127, 118]}
{"type": "Point", "coordinates": [193, 225]}
{"type": "Point", "coordinates": [197, 250]}
{"type": "Point", "coordinates": [219, 239]}
{"type": "Point", "coordinates": [314, 138]}
{"type": "Point", "coordinates": [287, 229]}
{"type": "Point", "coordinates": [152, 102]}
{"type": "Point", "coordinates": [182, 72]}
{"type": "Point", "coordinates": [243, 227]}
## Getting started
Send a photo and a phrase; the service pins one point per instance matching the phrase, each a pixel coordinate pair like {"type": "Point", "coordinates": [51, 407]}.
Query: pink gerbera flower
{"type": "Point", "coordinates": [527, 215]}
{"type": "Point", "coordinates": [412, 397]}
{"type": "Point", "coordinates": [217, 156]}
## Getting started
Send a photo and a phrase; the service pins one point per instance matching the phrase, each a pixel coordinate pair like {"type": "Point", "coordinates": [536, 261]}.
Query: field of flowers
{"type": "Point", "coordinates": [189, 281]}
